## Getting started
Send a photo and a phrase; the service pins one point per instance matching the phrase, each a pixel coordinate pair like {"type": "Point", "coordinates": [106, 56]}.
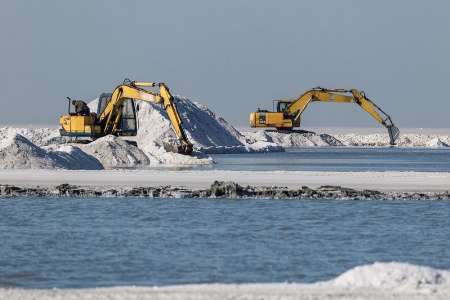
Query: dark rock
{"type": "Point", "coordinates": [224, 189]}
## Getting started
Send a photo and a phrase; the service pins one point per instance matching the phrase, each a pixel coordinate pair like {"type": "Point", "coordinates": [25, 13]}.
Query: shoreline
{"type": "Point", "coordinates": [389, 181]}
{"type": "Point", "coordinates": [217, 190]}
{"type": "Point", "coordinates": [380, 280]}
{"type": "Point", "coordinates": [269, 291]}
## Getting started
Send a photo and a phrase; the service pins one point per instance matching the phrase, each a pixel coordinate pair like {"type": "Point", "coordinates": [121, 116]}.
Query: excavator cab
{"type": "Point", "coordinates": [277, 118]}
{"type": "Point", "coordinates": [80, 121]}
{"type": "Point", "coordinates": [282, 105]}
{"type": "Point", "coordinates": [128, 123]}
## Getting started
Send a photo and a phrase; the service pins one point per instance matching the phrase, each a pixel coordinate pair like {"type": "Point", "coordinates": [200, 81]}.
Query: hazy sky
{"type": "Point", "coordinates": [233, 56]}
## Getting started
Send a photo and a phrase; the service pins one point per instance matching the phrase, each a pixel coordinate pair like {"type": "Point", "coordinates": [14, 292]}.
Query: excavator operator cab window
{"type": "Point", "coordinates": [262, 118]}
{"type": "Point", "coordinates": [282, 105]}
{"type": "Point", "coordinates": [78, 108]}
{"type": "Point", "coordinates": [102, 102]}
{"type": "Point", "coordinates": [128, 123]}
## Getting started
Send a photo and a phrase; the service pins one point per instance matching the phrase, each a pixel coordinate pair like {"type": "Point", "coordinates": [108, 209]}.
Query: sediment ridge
{"type": "Point", "coordinates": [218, 190]}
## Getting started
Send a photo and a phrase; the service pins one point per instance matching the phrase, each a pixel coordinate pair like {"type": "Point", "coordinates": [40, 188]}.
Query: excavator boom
{"type": "Point", "coordinates": [108, 121]}
{"type": "Point", "coordinates": [288, 114]}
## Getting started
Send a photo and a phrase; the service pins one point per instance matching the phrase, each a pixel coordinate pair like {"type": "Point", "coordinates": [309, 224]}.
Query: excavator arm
{"type": "Point", "coordinates": [297, 107]}
{"type": "Point", "coordinates": [109, 118]}
{"type": "Point", "coordinates": [288, 116]}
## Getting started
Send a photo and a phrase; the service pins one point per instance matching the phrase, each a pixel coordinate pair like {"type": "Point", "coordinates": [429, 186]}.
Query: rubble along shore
{"type": "Point", "coordinates": [218, 189]}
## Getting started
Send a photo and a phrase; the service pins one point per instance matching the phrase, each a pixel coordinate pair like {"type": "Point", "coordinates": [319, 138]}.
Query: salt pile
{"type": "Point", "coordinates": [298, 139]}
{"type": "Point", "coordinates": [437, 143]}
{"type": "Point", "coordinates": [405, 140]}
{"type": "Point", "coordinates": [38, 136]}
{"type": "Point", "coordinates": [17, 152]}
{"type": "Point", "coordinates": [155, 130]}
{"type": "Point", "coordinates": [208, 132]}
{"type": "Point", "coordinates": [294, 139]}
{"type": "Point", "coordinates": [392, 275]}
{"type": "Point", "coordinates": [113, 152]}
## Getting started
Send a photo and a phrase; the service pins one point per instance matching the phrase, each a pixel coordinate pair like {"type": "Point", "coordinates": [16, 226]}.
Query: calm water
{"type": "Point", "coordinates": [105, 242]}
{"type": "Point", "coordinates": [340, 159]}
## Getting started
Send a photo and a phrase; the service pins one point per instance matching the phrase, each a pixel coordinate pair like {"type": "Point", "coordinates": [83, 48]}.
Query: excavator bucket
{"type": "Point", "coordinates": [186, 149]}
{"type": "Point", "coordinates": [181, 148]}
{"type": "Point", "coordinates": [394, 133]}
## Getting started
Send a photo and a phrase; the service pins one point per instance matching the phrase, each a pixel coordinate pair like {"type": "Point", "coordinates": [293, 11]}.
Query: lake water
{"type": "Point", "coordinates": [339, 159]}
{"type": "Point", "coordinates": [108, 242]}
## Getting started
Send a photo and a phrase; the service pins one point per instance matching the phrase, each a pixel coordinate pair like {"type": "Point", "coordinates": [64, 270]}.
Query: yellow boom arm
{"type": "Point", "coordinates": [110, 117]}
{"type": "Point", "coordinates": [289, 113]}
{"type": "Point", "coordinates": [297, 107]}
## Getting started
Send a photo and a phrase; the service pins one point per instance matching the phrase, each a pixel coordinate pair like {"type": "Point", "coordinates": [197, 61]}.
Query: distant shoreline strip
{"type": "Point", "coordinates": [217, 190]}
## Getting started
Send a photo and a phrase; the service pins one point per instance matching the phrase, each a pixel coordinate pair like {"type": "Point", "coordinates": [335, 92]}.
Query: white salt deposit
{"type": "Point", "coordinates": [319, 139]}
{"type": "Point", "coordinates": [293, 139]}
{"type": "Point", "coordinates": [113, 152]}
{"type": "Point", "coordinates": [17, 152]}
{"type": "Point", "coordinates": [392, 275]}
{"type": "Point", "coordinates": [378, 281]}
{"type": "Point", "coordinates": [437, 143]}
{"type": "Point", "coordinates": [74, 158]}
{"type": "Point", "coordinates": [405, 140]}
{"type": "Point", "coordinates": [209, 133]}
{"type": "Point", "coordinates": [38, 136]}
{"type": "Point", "coordinates": [155, 130]}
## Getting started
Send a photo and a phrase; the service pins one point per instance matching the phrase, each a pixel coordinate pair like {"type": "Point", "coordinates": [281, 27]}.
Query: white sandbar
{"type": "Point", "coordinates": [382, 181]}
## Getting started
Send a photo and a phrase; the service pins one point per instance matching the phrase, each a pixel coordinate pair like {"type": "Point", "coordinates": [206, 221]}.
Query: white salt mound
{"type": "Point", "coordinates": [437, 143]}
{"type": "Point", "coordinates": [38, 136]}
{"type": "Point", "coordinates": [208, 132]}
{"type": "Point", "coordinates": [405, 140]}
{"type": "Point", "coordinates": [392, 275]}
{"type": "Point", "coordinates": [155, 130]}
{"type": "Point", "coordinates": [113, 152]}
{"type": "Point", "coordinates": [313, 139]}
{"type": "Point", "coordinates": [73, 158]}
{"type": "Point", "coordinates": [17, 152]}
{"type": "Point", "coordinates": [294, 139]}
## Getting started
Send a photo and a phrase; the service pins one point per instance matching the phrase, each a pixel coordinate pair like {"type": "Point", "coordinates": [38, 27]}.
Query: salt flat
{"type": "Point", "coordinates": [382, 181]}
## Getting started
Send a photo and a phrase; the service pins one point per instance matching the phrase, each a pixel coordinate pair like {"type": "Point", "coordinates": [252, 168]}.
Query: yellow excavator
{"type": "Point", "coordinates": [116, 113]}
{"type": "Point", "coordinates": [288, 112]}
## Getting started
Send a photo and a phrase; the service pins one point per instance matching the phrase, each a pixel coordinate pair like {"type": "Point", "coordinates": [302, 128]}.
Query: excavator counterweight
{"type": "Point", "coordinates": [288, 112]}
{"type": "Point", "coordinates": [116, 113]}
